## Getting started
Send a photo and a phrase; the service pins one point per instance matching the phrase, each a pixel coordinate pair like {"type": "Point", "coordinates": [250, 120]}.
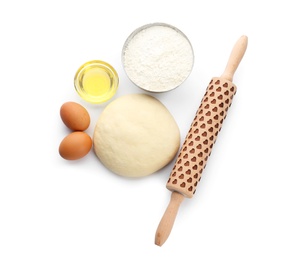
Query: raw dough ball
{"type": "Point", "coordinates": [136, 136]}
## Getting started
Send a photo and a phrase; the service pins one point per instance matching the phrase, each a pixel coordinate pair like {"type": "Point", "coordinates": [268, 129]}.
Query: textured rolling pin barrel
{"type": "Point", "coordinates": [200, 139]}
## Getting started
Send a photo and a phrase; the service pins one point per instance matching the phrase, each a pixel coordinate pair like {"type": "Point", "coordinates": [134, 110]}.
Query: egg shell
{"type": "Point", "coordinates": [75, 145]}
{"type": "Point", "coordinates": [75, 116]}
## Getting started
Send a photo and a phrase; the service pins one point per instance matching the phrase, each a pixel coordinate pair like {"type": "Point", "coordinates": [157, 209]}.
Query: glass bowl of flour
{"type": "Point", "coordinates": [157, 57]}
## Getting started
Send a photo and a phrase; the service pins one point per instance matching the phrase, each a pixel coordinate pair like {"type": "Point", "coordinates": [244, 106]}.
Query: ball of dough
{"type": "Point", "coordinates": [136, 136]}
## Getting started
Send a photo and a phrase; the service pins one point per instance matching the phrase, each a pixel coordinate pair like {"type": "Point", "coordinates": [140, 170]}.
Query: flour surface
{"type": "Point", "coordinates": [158, 58]}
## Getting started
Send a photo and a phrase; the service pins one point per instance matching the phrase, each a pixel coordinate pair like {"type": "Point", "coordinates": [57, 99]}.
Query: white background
{"type": "Point", "coordinates": [51, 208]}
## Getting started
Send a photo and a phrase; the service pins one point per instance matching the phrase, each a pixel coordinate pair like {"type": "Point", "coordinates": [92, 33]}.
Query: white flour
{"type": "Point", "coordinates": [158, 58]}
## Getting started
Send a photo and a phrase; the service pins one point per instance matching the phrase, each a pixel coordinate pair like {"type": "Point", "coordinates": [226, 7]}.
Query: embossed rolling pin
{"type": "Point", "coordinates": [200, 139]}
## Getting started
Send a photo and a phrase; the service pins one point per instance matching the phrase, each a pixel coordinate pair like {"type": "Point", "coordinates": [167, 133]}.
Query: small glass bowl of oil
{"type": "Point", "coordinates": [96, 81]}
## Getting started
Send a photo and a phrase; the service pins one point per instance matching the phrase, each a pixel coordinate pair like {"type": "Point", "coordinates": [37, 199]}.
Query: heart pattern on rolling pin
{"type": "Point", "coordinates": [201, 137]}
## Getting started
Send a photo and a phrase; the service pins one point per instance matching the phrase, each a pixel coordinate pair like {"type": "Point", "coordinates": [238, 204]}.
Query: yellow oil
{"type": "Point", "coordinates": [96, 81]}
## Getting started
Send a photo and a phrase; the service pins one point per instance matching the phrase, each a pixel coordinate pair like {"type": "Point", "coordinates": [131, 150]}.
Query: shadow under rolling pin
{"type": "Point", "coordinates": [200, 139]}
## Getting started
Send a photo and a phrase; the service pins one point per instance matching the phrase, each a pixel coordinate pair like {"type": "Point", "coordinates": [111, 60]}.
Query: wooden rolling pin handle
{"type": "Point", "coordinates": [236, 56]}
{"type": "Point", "coordinates": [168, 219]}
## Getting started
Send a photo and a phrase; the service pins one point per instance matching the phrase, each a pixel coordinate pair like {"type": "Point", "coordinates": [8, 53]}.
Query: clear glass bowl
{"type": "Point", "coordinates": [96, 81]}
{"type": "Point", "coordinates": [144, 61]}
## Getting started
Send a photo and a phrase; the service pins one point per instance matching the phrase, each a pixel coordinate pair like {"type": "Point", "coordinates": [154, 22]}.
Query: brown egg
{"type": "Point", "coordinates": [75, 116]}
{"type": "Point", "coordinates": [75, 145]}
